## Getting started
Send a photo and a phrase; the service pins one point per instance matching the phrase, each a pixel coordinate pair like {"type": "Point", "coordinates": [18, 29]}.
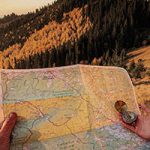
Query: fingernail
{"type": "Point", "coordinates": [12, 114]}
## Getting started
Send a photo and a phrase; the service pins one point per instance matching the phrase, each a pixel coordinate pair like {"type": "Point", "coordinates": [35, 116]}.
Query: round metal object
{"type": "Point", "coordinates": [127, 116]}
{"type": "Point", "coordinates": [121, 106]}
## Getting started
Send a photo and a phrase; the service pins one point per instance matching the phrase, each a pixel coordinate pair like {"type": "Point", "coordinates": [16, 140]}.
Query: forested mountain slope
{"type": "Point", "coordinates": [16, 29]}
{"type": "Point", "coordinates": [46, 44]}
{"type": "Point", "coordinates": [70, 31]}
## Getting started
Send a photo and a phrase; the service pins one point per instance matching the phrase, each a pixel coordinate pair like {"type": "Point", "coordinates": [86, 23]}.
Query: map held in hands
{"type": "Point", "coordinates": [68, 108]}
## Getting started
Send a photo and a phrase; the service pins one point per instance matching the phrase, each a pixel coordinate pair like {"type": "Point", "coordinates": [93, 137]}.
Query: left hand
{"type": "Point", "coordinates": [5, 131]}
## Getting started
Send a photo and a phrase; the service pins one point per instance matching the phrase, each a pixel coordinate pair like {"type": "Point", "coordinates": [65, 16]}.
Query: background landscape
{"type": "Point", "coordinates": [67, 32]}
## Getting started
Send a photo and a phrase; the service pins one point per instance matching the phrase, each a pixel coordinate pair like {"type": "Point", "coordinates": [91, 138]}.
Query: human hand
{"type": "Point", "coordinates": [142, 125]}
{"type": "Point", "coordinates": [6, 128]}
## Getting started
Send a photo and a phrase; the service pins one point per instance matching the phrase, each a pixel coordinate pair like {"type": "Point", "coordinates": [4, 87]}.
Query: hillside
{"type": "Point", "coordinates": [141, 53]}
{"type": "Point", "coordinates": [6, 20]}
{"type": "Point", "coordinates": [68, 32]}
{"type": "Point", "coordinates": [142, 86]}
{"type": "Point", "coordinates": [16, 29]}
{"type": "Point", "coordinates": [47, 39]}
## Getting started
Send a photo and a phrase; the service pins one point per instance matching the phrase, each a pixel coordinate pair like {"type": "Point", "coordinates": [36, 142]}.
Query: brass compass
{"type": "Point", "coordinates": [127, 116]}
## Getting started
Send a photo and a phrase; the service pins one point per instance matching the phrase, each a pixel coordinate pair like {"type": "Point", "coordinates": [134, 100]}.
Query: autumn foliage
{"type": "Point", "coordinates": [74, 31]}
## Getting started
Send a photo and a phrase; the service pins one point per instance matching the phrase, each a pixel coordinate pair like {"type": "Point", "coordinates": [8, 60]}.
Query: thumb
{"type": "Point", "coordinates": [130, 127]}
{"type": "Point", "coordinates": [8, 125]}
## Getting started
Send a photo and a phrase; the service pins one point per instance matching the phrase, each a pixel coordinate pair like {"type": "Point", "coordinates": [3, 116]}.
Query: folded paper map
{"type": "Point", "coordinates": [68, 108]}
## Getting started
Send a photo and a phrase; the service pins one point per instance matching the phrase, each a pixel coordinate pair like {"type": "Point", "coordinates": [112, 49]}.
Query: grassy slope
{"type": "Point", "coordinates": [142, 90]}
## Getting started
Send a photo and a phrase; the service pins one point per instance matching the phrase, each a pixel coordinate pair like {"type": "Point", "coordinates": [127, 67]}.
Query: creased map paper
{"type": "Point", "coordinates": [68, 108]}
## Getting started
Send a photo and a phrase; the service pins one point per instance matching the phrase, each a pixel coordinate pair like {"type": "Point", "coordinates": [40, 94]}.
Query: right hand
{"type": "Point", "coordinates": [142, 126]}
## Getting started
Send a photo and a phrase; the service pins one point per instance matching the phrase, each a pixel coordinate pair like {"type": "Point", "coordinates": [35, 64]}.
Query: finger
{"type": "Point", "coordinates": [144, 108]}
{"type": "Point", "coordinates": [119, 116]}
{"type": "Point", "coordinates": [1, 124]}
{"type": "Point", "coordinates": [130, 127]}
{"type": "Point", "coordinates": [8, 125]}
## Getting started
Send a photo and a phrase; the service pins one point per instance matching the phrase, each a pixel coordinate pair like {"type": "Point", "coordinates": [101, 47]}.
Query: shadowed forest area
{"type": "Point", "coordinates": [74, 31]}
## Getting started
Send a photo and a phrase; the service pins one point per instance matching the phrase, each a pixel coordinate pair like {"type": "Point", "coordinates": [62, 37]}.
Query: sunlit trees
{"type": "Point", "coordinates": [74, 31]}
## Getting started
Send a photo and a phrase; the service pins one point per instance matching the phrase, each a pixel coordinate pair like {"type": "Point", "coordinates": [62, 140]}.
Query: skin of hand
{"type": "Point", "coordinates": [142, 124]}
{"type": "Point", "coordinates": [6, 128]}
